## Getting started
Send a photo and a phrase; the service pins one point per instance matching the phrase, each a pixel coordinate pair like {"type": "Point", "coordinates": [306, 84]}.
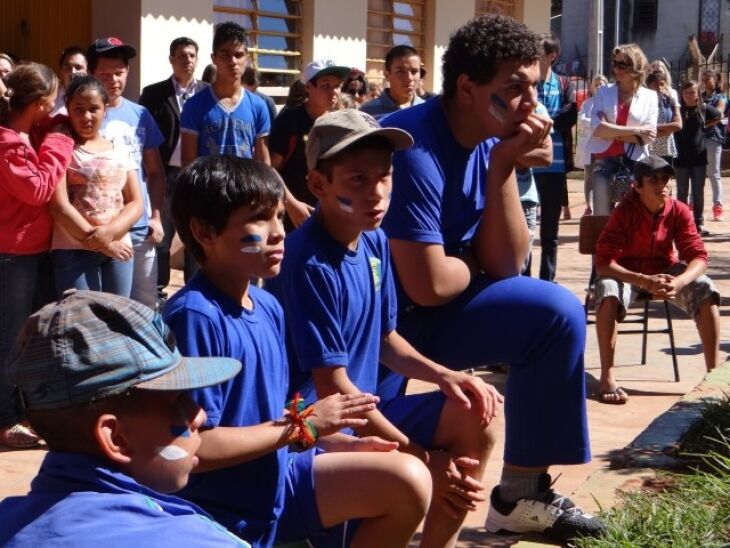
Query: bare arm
{"type": "Point", "coordinates": [261, 150]}
{"type": "Point", "coordinates": [188, 148]}
{"type": "Point", "coordinates": [539, 156]}
{"type": "Point", "coordinates": [67, 215]}
{"type": "Point", "coordinates": [156, 189]}
{"type": "Point", "coordinates": [132, 210]}
{"type": "Point", "coordinates": [428, 275]}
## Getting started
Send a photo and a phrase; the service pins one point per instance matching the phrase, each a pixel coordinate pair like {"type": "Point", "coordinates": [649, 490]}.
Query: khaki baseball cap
{"type": "Point", "coordinates": [335, 131]}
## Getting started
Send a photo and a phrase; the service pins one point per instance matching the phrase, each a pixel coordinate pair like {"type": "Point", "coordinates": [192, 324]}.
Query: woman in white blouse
{"type": "Point", "coordinates": [624, 119]}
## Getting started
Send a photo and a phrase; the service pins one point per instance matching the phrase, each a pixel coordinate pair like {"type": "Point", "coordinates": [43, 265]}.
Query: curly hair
{"type": "Point", "coordinates": [479, 47]}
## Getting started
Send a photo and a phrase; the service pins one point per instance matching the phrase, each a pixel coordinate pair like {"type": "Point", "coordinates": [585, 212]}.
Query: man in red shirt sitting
{"type": "Point", "coordinates": [635, 255]}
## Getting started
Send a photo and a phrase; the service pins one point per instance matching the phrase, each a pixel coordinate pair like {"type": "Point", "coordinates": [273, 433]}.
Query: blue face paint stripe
{"type": "Point", "coordinates": [344, 201]}
{"type": "Point", "coordinates": [251, 238]}
{"type": "Point", "coordinates": [497, 100]}
{"type": "Point", "coordinates": [179, 431]}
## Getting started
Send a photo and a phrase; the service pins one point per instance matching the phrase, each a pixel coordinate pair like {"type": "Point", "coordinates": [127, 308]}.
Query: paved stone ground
{"type": "Point", "coordinates": [651, 387]}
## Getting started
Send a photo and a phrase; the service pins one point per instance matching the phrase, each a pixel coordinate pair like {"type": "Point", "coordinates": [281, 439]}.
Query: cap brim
{"type": "Point", "coordinates": [342, 72]}
{"type": "Point", "coordinates": [127, 51]}
{"type": "Point", "coordinates": [399, 138]}
{"type": "Point", "coordinates": [194, 373]}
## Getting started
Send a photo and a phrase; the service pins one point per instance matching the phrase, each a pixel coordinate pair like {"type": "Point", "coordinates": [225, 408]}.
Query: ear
{"type": "Point", "coordinates": [203, 233]}
{"type": "Point", "coordinates": [112, 441]}
{"type": "Point", "coordinates": [309, 87]}
{"type": "Point", "coordinates": [316, 182]}
{"type": "Point", "coordinates": [464, 89]}
{"type": "Point", "coordinates": [170, 58]}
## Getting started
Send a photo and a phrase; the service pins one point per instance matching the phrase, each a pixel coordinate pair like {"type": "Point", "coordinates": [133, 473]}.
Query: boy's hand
{"type": "Point", "coordinates": [118, 250]}
{"type": "Point", "coordinates": [155, 233]}
{"type": "Point", "coordinates": [98, 238]}
{"type": "Point", "coordinates": [341, 411]}
{"type": "Point", "coordinates": [532, 133]}
{"type": "Point", "coordinates": [465, 388]}
{"type": "Point", "coordinates": [452, 488]}
{"type": "Point", "coordinates": [340, 442]}
{"type": "Point", "coordinates": [298, 211]}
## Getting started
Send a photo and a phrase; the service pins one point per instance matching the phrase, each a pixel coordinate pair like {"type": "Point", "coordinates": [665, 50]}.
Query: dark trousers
{"type": "Point", "coordinates": [163, 249]}
{"type": "Point", "coordinates": [551, 188]}
{"type": "Point", "coordinates": [691, 182]}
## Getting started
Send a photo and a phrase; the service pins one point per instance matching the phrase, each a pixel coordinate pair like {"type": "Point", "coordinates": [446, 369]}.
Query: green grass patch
{"type": "Point", "coordinates": [691, 510]}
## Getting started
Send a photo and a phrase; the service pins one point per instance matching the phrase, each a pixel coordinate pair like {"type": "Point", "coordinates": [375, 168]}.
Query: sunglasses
{"type": "Point", "coordinates": [623, 65]}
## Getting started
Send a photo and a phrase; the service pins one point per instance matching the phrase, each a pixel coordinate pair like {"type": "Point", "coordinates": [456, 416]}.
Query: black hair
{"type": "Point", "coordinates": [211, 188]}
{"type": "Point", "coordinates": [71, 429]}
{"type": "Point", "coordinates": [209, 73]}
{"type": "Point", "coordinates": [228, 32]}
{"type": "Point", "coordinates": [479, 47]}
{"type": "Point", "coordinates": [80, 84]}
{"type": "Point", "coordinates": [715, 75]}
{"type": "Point", "coordinates": [70, 52]}
{"type": "Point", "coordinates": [377, 142]}
{"type": "Point", "coordinates": [402, 50]}
{"type": "Point", "coordinates": [550, 44]}
{"type": "Point", "coordinates": [250, 77]}
{"type": "Point", "coordinates": [93, 58]}
{"type": "Point", "coordinates": [24, 86]}
{"type": "Point", "coordinates": [183, 41]}
{"type": "Point", "coordinates": [297, 94]}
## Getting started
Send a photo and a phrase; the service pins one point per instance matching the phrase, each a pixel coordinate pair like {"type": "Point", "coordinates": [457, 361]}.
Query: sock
{"type": "Point", "coordinates": [519, 484]}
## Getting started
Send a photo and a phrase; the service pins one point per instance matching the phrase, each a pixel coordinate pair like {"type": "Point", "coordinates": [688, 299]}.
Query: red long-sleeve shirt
{"type": "Point", "coordinates": [643, 242]}
{"type": "Point", "coordinates": [28, 178]}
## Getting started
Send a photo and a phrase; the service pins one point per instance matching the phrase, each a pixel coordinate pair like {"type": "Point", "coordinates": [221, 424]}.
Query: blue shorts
{"type": "Point", "coordinates": [300, 518]}
{"type": "Point", "coordinates": [417, 415]}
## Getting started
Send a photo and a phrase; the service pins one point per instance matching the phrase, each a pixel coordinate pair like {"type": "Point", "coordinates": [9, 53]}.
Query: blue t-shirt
{"type": "Point", "coordinates": [438, 185]}
{"type": "Point", "coordinates": [550, 94]}
{"type": "Point", "coordinates": [81, 501]}
{"type": "Point", "coordinates": [526, 185]}
{"type": "Point", "coordinates": [339, 303]}
{"type": "Point", "coordinates": [225, 131]}
{"type": "Point", "coordinates": [247, 498]}
{"type": "Point", "coordinates": [131, 127]}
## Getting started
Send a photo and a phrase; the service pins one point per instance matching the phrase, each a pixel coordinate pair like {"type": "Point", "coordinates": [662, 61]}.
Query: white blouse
{"type": "Point", "coordinates": [644, 110]}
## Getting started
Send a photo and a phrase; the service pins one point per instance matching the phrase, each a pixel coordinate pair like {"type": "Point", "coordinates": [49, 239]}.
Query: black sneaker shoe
{"type": "Point", "coordinates": [550, 514]}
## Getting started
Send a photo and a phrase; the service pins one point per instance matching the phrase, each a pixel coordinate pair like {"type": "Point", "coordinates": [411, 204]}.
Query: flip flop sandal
{"type": "Point", "coordinates": [617, 396]}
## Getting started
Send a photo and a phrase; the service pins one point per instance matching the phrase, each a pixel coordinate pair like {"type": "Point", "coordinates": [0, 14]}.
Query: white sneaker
{"type": "Point", "coordinates": [549, 513]}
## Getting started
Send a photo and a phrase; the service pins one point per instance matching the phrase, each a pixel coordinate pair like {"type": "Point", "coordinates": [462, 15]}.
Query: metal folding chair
{"type": "Point", "coordinates": [590, 229]}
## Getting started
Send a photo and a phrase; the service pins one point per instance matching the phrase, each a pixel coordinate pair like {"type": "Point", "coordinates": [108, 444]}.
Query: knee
{"type": "Point", "coordinates": [411, 485]}
{"type": "Point", "coordinates": [470, 436]}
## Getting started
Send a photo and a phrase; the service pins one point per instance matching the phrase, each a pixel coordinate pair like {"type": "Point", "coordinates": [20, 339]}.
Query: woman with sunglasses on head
{"type": "Point", "coordinates": [624, 119]}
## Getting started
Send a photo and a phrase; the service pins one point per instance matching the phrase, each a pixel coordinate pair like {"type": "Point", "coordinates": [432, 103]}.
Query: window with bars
{"type": "Point", "coordinates": [274, 30]}
{"type": "Point", "coordinates": [645, 15]}
{"type": "Point", "coordinates": [392, 23]}
{"type": "Point", "coordinates": [501, 7]}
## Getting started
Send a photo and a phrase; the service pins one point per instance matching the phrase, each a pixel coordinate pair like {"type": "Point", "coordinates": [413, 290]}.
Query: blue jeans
{"type": "Point", "coordinates": [692, 178]}
{"type": "Point", "coordinates": [530, 211]}
{"type": "Point", "coordinates": [537, 327]}
{"type": "Point", "coordinates": [714, 161]}
{"type": "Point", "coordinates": [25, 286]}
{"type": "Point", "coordinates": [83, 269]}
{"type": "Point", "coordinates": [144, 280]}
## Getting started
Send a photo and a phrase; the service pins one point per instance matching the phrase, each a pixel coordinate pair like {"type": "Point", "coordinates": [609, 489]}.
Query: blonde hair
{"type": "Point", "coordinates": [662, 66]}
{"type": "Point", "coordinates": [632, 52]}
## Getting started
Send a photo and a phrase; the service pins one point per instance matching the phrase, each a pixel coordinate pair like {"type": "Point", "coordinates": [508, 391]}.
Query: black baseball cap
{"type": "Point", "coordinates": [101, 46]}
{"type": "Point", "coordinates": [650, 165]}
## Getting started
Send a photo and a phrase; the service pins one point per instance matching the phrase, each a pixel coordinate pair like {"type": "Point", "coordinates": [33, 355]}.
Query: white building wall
{"type": "Point", "coordinates": [164, 20]}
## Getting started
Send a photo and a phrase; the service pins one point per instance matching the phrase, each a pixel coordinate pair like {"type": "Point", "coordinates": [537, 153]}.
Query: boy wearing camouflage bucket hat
{"type": "Point", "coordinates": [103, 383]}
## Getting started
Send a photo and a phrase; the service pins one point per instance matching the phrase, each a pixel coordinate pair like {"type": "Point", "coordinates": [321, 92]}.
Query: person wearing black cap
{"type": "Point", "coordinates": [100, 377]}
{"type": "Point", "coordinates": [130, 126]}
{"type": "Point", "coordinates": [635, 256]}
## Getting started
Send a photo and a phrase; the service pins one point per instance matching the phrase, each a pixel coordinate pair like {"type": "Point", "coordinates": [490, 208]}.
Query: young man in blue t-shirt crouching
{"type": "Point", "coordinates": [229, 212]}
{"type": "Point", "coordinates": [337, 288]}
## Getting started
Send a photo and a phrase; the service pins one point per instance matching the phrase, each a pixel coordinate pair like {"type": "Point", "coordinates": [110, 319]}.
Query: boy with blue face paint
{"type": "Point", "coordinates": [229, 213]}
{"type": "Point", "coordinates": [337, 288]}
{"type": "Point", "coordinates": [102, 381]}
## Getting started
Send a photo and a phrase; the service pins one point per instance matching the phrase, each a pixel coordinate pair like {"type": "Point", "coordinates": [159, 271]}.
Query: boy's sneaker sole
{"type": "Point", "coordinates": [551, 514]}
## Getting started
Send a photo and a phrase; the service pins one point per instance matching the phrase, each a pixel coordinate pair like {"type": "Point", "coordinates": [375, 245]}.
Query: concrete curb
{"type": "Point", "coordinates": [654, 449]}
